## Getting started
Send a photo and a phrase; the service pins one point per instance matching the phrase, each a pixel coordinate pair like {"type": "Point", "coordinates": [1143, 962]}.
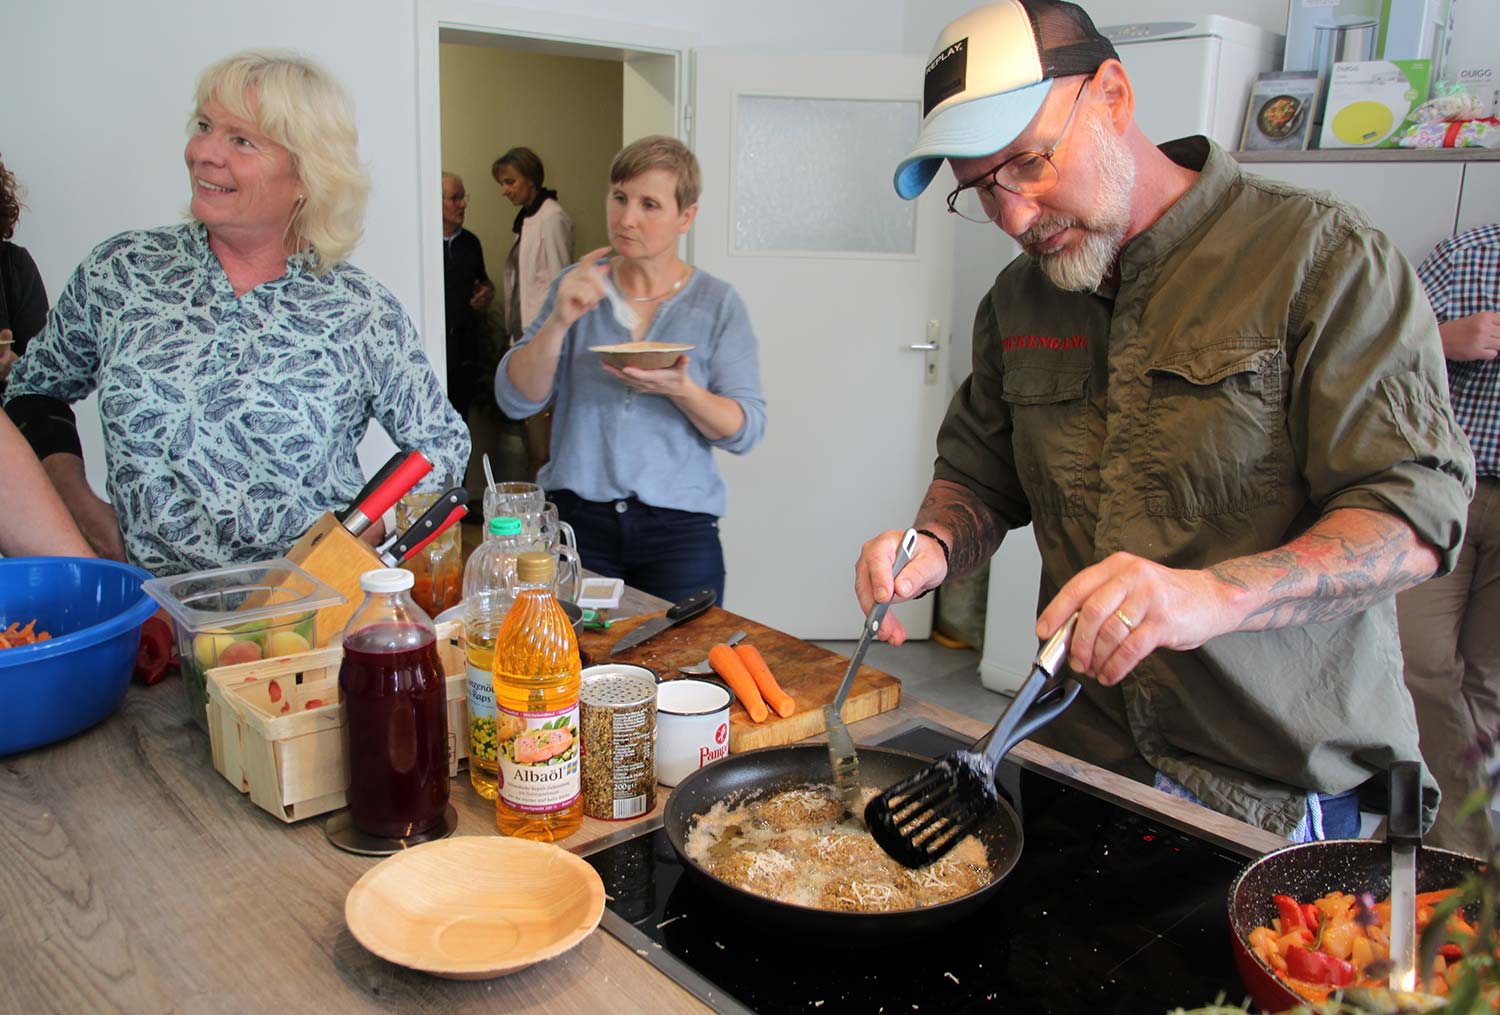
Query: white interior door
{"type": "Point", "coordinates": [842, 279]}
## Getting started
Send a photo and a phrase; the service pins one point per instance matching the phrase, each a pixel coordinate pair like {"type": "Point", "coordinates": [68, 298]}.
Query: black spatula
{"type": "Point", "coordinates": [923, 816]}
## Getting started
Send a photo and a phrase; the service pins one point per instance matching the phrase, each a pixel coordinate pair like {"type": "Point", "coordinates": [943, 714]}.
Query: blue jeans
{"type": "Point", "coordinates": [663, 551]}
{"type": "Point", "coordinates": [1329, 815]}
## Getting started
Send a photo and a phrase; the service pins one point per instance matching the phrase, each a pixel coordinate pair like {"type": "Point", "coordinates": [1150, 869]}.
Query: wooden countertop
{"type": "Point", "coordinates": [134, 878]}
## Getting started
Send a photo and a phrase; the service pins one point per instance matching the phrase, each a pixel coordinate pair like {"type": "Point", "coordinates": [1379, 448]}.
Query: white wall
{"type": "Point", "coordinates": [925, 18]}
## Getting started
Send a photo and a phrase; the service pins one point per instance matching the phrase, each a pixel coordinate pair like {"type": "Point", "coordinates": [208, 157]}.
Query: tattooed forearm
{"type": "Point", "coordinates": [1345, 563]}
{"type": "Point", "coordinates": [958, 511]}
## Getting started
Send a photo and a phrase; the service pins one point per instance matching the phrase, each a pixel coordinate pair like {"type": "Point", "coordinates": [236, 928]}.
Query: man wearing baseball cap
{"type": "Point", "coordinates": [1219, 401]}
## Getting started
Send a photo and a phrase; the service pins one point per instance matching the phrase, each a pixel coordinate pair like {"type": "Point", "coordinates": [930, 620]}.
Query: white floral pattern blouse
{"type": "Point", "coordinates": [231, 423]}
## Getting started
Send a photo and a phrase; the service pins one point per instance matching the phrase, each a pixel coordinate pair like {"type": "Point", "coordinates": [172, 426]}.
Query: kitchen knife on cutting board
{"type": "Point", "coordinates": [380, 494]}
{"type": "Point", "coordinates": [685, 610]}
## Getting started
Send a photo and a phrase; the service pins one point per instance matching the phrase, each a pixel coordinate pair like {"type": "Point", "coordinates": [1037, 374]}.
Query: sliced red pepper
{"type": "Point", "coordinates": [154, 653]}
{"type": "Point", "coordinates": [1290, 913]}
{"type": "Point", "coordinates": [1310, 916]}
{"type": "Point", "coordinates": [1450, 951]}
{"type": "Point", "coordinates": [1319, 967]}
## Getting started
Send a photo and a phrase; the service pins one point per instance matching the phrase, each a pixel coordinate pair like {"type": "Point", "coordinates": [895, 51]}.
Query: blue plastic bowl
{"type": "Point", "coordinates": [94, 610]}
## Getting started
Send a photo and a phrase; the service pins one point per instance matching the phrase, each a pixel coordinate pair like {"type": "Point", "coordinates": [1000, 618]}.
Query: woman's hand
{"type": "Point", "coordinates": [100, 525]}
{"type": "Point", "coordinates": [581, 290]}
{"type": "Point", "coordinates": [672, 381]}
{"type": "Point", "coordinates": [716, 417]}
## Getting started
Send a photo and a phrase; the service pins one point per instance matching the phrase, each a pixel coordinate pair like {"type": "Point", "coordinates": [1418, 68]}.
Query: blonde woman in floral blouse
{"type": "Point", "coordinates": [238, 358]}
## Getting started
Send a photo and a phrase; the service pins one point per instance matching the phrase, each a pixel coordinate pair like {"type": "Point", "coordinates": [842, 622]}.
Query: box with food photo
{"type": "Point", "coordinates": [1280, 114]}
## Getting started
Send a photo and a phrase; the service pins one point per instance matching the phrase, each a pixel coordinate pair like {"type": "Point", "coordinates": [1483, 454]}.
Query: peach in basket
{"type": "Point", "coordinates": [642, 355]}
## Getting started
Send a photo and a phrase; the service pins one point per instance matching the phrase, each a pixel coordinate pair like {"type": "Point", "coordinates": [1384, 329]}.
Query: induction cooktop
{"type": "Point", "coordinates": [1108, 910]}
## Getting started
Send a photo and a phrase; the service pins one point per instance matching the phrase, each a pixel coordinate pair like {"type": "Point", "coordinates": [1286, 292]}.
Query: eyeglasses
{"type": "Point", "coordinates": [1028, 173]}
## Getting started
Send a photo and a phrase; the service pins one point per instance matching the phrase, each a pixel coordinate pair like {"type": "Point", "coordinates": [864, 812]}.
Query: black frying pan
{"type": "Point", "coordinates": [761, 773]}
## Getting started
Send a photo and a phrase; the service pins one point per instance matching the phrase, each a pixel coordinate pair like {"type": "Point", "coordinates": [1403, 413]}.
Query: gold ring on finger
{"type": "Point", "coordinates": [1125, 620]}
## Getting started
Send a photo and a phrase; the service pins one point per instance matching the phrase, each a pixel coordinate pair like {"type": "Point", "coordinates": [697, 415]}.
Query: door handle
{"type": "Point", "coordinates": [923, 347]}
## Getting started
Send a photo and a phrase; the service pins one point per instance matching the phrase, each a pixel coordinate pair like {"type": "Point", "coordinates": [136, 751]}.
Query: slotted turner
{"type": "Point", "coordinates": [841, 754]}
{"type": "Point", "coordinates": [923, 816]}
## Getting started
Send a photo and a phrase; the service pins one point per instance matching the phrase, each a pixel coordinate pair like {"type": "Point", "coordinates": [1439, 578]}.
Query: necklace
{"type": "Point", "coordinates": [675, 286]}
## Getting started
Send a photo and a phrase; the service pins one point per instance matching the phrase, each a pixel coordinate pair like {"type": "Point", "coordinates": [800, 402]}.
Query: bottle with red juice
{"type": "Point", "coordinates": [395, 711]}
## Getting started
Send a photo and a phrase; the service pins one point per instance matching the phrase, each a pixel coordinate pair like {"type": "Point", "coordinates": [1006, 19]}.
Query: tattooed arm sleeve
{"type": "Point", "coordinates": [958, 515]}
{"type": "Point", "coordinates": [1348, 560]}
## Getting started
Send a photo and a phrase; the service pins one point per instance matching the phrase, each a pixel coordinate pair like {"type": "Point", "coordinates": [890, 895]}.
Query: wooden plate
{"type": "Point", "coordinates": [475, 907]}
{"type": "Point", "coordinates": [645, 355]}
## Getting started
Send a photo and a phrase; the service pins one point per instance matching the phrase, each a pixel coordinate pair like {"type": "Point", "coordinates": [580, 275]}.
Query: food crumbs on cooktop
{"type": "Point", "coordinates": [797, 847]}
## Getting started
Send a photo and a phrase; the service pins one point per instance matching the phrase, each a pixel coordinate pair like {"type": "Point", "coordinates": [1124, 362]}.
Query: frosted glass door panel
{"type": "Point", "coordinates": [814, 176]}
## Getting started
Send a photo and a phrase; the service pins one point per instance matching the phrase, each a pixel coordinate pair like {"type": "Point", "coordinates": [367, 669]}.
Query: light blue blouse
{"type": "Point", "coordinates": [231, 423]}
{"type": "Point", "coordinates": [609, 441]}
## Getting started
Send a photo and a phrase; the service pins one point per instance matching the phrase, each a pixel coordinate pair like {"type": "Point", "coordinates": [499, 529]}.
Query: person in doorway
{"type": "Point", "coordinates": [467, 293]}
{"type": "Point", "coordinates": [1449, 637]}
{"type": "Point", "coordinates": [542, 249]}
{"type": "Point", "coordinates": [632, 465]}
{"type": "Point", "coordinates": [23, 297]}
{"type": "Point", "coordinates": [1219, 402]}
{"type": "Point", "coordinates": [239, 358]}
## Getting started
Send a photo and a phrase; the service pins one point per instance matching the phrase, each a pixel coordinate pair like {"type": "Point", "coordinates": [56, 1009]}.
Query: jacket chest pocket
{"type": "Point", "coordinates": [1217, 441]}
{"type": "Point", "coordinates": [1049, 420]}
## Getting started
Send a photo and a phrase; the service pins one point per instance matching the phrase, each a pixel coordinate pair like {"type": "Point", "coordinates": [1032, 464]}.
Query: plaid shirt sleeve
{"type": "Point", "coordinates": [1462, 278]}
{"type": "Point", "coordinates": [1436, 275]}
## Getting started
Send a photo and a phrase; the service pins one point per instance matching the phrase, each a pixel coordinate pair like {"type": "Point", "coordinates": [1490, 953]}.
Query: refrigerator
{"type": "Point", "coordinates": [1193, 76]}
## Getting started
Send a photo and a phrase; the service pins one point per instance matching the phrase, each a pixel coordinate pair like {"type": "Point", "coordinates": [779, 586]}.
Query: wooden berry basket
{"type": "Point", "coordinates": [276, 726]}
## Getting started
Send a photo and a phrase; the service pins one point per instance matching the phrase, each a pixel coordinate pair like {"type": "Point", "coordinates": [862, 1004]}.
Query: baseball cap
{"type": "Point", "coordinates": [987, 76]}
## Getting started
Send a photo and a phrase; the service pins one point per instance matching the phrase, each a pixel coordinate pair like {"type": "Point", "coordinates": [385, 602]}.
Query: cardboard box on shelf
{"type": "Point", "coordinates": [1370, 101]}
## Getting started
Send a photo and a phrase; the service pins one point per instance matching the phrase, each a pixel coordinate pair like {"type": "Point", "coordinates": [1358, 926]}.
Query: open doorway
{"type": "Point", "coordinates": [492, 79]}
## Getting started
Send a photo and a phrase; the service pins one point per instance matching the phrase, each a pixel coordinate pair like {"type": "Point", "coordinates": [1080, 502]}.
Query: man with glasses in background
{"type": "Point", "coordinates": [1220, 403]}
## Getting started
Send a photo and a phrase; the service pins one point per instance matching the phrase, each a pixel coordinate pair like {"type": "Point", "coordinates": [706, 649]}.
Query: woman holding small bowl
{"type": "Point", "coordinates": [632, 467]}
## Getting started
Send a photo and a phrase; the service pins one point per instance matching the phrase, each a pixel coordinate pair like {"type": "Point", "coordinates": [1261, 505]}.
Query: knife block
{"type": "Point", "coordinates": [330, 552]}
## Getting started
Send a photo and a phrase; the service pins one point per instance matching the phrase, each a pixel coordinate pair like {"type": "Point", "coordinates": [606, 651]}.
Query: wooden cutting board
{"type": "Point", "coordinates": [808, 673]}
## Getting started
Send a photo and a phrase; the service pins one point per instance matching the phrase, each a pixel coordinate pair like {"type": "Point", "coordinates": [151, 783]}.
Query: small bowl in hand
{"type": "Point", "coordinates": [641, 355]}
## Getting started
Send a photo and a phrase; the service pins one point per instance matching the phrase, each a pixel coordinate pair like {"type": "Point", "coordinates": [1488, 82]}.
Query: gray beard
{"type": "Point", "coordinates": [1084, 267]}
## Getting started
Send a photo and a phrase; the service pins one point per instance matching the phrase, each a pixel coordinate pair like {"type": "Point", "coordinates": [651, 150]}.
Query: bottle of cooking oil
{"type": "Point", "coordinates": [489, 590]}
{"type": "Point", "coordinates": [537, 677]}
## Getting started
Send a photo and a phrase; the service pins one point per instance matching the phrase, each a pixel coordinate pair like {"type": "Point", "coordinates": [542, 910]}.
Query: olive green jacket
{"type": "Point", "coordinates": [1267, 357]}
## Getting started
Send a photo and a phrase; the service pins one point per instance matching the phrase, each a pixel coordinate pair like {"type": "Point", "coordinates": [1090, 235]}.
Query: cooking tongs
{"type": "Point", "coordinates": [841, 754]}
{"type": "Point", "coordinates": [923, 816]}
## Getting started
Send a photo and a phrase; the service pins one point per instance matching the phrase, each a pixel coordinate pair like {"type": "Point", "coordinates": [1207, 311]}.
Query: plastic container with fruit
{"type": "Point", "coordinates": [239, 614]}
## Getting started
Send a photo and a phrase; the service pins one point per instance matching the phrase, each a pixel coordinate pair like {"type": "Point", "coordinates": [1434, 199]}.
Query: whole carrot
{"type": "Point", "coordinates": [728, 665]}
{"type": "Point", "coordinates": [770, 690]}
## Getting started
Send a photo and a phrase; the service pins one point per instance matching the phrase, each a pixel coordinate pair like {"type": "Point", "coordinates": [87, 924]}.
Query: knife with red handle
{"type": "Point", "coordinates": [387, 492]}
{"type": "Point", "coordinates": [436, 520]}
{"type": "Point", "coordinates": [380, 476]}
